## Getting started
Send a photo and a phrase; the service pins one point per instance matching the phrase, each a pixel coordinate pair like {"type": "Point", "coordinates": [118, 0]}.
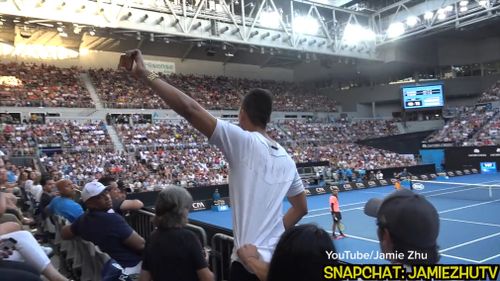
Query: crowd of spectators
{"type": "Point", "coordinates": [29, 84]}
{"type": "Point", "coordinates": [492, 94]}
{"type": "Point", "coordinates": [352, 156]}
{"type": "Point", "coordinates": [172, 152]}
{"type": "Point", "coordinates": [489, 133]}
{"type": "Point", "coordinates": [23, 139]}
{"type": "Point", "coordinates": [462, 129]}
{"type": "Point", "coordinates": [17, 139]}
{"type": "Point", "coordinates": [339, 131]}
{"type": "Point", "coordinates": [212, 92]}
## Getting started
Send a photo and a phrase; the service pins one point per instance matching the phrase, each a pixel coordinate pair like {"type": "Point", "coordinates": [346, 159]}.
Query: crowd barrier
{"type": "Point", "coordinates": [220, 257]}
{"type": "Point", "coordinates": [142, 222]}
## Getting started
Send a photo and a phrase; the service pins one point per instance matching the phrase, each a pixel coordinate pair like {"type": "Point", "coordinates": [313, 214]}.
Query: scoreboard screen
{"type": "Point", "coordinates": [425, 96]}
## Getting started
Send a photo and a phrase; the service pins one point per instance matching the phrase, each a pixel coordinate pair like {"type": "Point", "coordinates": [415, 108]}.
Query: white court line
{"type": "Point", "coordinates": [460, 258]}
{"type": "Point", "coordinates": [490, 258]}
{"type": "Point", "coordinates": [357, 237]}
{"type": "Point", "coordinates": [459, 189]}
{"type": "Point", "coordinates": [455, 187]}
{"type": "Point", "coordinates": [425, 192]}
{"type": "Point", "coordinates": [471, 242]}
{"type": "Point", "coordinates": [323, 209]}
{"type": "Point", "coordinates": [471, 222]}
{"type": "Point", "coordinates": [324, 214]}
{"type": "Point", "coordinates": [468, 206]}
{"type": "Point", "coordinates": [444, 255]}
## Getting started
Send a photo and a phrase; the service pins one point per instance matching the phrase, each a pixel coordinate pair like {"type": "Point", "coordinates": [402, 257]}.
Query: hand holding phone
{"type": "Point", "coordinates": [126, 62]}
{"type": "Point", "coordinates": [6, 247]}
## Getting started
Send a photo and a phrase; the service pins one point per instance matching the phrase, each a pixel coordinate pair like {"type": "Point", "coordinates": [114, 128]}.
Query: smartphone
{"type": "Point", "coordinates": [8, 244]}
{"type": "Point", "coordinates": [126, 62]}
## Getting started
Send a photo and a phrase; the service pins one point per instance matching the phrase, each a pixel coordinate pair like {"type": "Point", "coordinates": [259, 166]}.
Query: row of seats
{"type": "Point", "coordinates": [81, 259]}
{"type": "Point", "coordinates": [51, 86]}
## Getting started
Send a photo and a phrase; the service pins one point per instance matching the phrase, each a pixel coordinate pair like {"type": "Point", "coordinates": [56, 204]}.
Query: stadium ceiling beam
{"type": "Point", "coordinates": [218, 21]}
{"type": "Point", "coordinates": [431, 16]}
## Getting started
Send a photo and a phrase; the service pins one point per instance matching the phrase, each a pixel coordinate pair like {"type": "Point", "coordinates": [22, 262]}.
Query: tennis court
{"type": "Point", "coordinates": [470, 220]}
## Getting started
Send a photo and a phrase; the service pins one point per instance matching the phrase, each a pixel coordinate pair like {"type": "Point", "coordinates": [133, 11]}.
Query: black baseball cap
{"type": "Point", "coordinates": [408, 216]}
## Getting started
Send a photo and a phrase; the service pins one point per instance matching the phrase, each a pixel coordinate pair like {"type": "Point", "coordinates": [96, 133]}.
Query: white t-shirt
{"type": "Point", "coordinates": [36, 192]}
{"type": "Point", "coordinates": [261, 175]}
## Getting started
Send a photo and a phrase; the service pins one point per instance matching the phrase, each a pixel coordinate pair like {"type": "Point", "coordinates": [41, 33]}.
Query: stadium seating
{"type": "Point", "coordinates": [492, 94]}
{"type": "Point", "coordinates": [42, 85]}
{"type": "Point", "coordinates": [462, 129]}
{"type": "Point", "coordinates": [118, 89]}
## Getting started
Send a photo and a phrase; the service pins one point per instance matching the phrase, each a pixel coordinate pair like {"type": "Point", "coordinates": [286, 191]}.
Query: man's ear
{"type": "Point", "coordinates": [386, 241]}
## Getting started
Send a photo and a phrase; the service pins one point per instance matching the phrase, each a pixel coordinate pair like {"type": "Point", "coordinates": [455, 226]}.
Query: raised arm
{"type": "Point", "coordinates": [181, 103]}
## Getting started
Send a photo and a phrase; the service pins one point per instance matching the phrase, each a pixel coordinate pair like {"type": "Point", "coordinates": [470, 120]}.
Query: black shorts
{"type": "Point", "coordinates": [337, 216]}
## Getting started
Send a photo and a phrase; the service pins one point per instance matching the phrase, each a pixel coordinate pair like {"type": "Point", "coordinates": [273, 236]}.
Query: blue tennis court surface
{"type": "Point", "coordinates": [470, 228]}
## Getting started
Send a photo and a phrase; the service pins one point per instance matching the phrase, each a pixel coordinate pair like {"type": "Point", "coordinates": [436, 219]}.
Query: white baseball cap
{"type": "Point", "coordinates": [92, 189]}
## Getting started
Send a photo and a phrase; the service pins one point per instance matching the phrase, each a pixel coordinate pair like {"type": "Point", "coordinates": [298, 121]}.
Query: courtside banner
{"type": "Point", "coordinates": [415, 272]}
{"type": "Point", "coordinates": [201, 205]}
{"type": "Point", "coordinates": [383, 182]}
{"type": "Point", "coordinates": [360, 185]}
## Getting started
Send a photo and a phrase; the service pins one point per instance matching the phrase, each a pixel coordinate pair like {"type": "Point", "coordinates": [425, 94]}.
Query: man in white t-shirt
{"type": "Point", "coordinates": [262, 174]}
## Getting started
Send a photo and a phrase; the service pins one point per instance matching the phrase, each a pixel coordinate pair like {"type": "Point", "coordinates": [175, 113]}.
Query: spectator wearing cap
{"type": "Point", "coordinates": [118, 197]}
{"type": "Point", "coordinates": [408, 226]}
{"type": "Point", "coordinates": [64, 205]}
{"type": "Point", "coordinates": [107, 230]}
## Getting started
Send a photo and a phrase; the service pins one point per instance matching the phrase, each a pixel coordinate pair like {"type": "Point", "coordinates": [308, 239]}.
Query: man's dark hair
{"type": "Point", "coordinates": [258, 105]}
{"type": "Point", "coordinates": [301, 254]}
{"type": "Point", "coordinates": [106, 180]}
{"type": "Point", "coordinates": [45, 179]}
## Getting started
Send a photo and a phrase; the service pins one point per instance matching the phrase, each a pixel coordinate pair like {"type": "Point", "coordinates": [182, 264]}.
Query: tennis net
{"type": "Point", "coordinates": [460, 191]}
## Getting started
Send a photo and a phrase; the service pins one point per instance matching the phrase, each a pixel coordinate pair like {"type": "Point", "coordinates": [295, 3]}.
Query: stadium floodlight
{"type": "Point", "coordinates": [428, 15]}
{"type": "Point", "coordinates": [441, 16]}
{"type": "Point", "coordinates": [305, 24]}
{"type": "Point", "coordinates": [395, 30]}
{"type": "Point", "coordinates": [270, 19]}
{"type": "Point", "coordinates": [464, 3]}
{"type": "Point", "coordinates": [411, 21]}
{"type": "Point", "coordinates": [83, 51]}
{"type": "Point", "coordinates": [449, 8]}
{"type": "Point", "coordinates": [463, 9]}
{"type": "Point", "coordinates": [6, 49]}
{"type": "Point", "coordinates": [484, 3]}
{"type": "Point", "coordinates": [355, 33]}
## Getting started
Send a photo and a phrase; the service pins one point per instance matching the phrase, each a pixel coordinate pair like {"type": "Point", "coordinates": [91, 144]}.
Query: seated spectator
{"type": "Point", "coordinates": [173, 252]}
{"type": "Point", "coordinates": [107, 230]}
{"type": "Point", "coordinates": [48, 194]}
{"type": "Point", "coordinates": [406, 223]}
{"type": "Point", "coordinates": [64, 205]}
{"type": "Point", "coordinates": [26, 249]}
{"type": "Point", "coordinates": [120, 204]}
{"type": "Point", "coordinates": [300, 255]}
